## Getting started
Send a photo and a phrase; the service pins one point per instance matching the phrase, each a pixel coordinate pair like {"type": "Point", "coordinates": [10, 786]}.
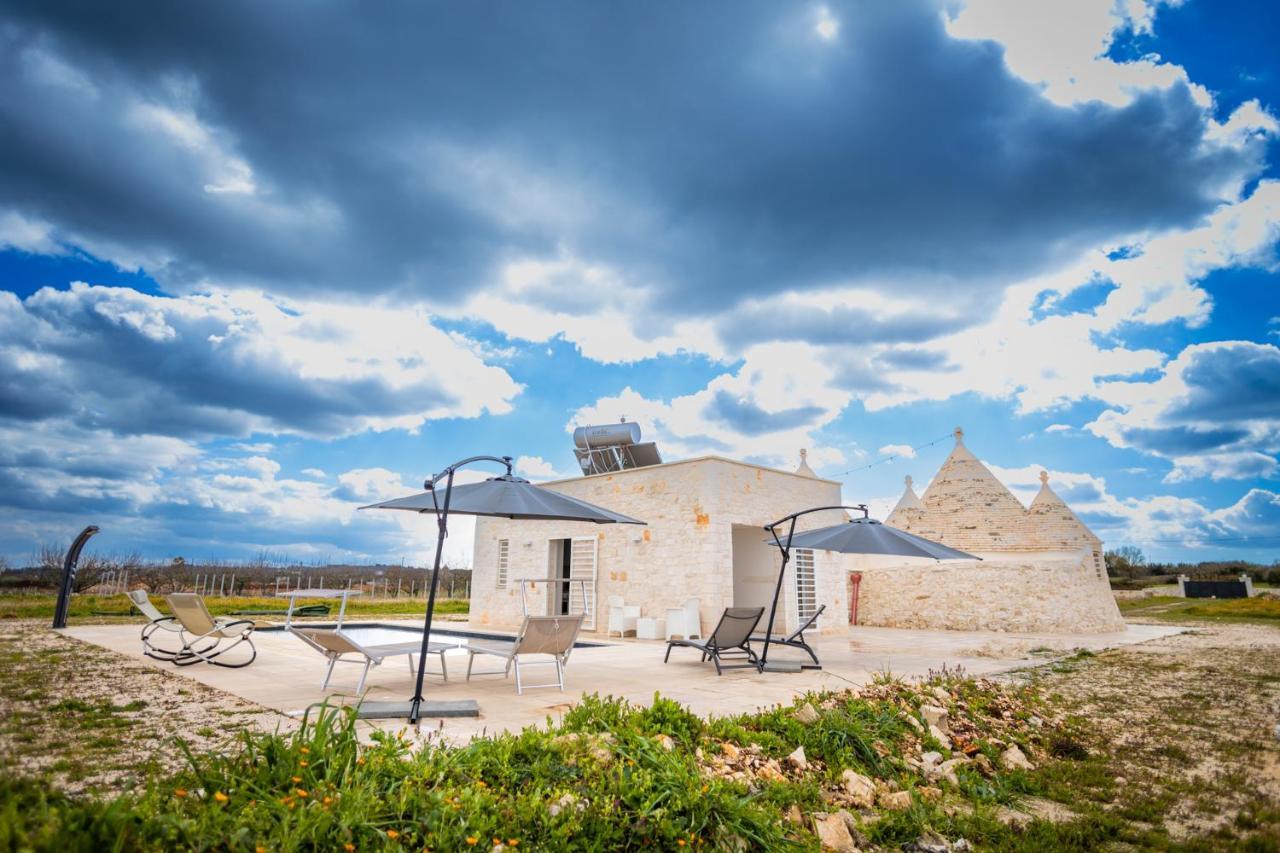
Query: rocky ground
{"type": "Point", "coordinates": [92, 720]}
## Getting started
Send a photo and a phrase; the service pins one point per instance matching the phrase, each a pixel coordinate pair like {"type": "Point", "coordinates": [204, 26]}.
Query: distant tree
{"type": "Point", "coordinates": [1133, 554]}
{"type": "Point", "coordinates": [1121, 562]}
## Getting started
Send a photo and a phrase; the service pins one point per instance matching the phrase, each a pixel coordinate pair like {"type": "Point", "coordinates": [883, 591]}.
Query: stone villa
{"type": "Point", "coordinates": [1041, 568]}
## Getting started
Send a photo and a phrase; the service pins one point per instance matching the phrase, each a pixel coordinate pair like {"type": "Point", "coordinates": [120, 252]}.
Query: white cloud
{"type": "Point", "coordinates": [1058, 428]}
{"type": "Point", "coordinates": [237, 362]}
{"type": "Point", "coordinates": [538, 468]}
{"type": "Point", "coordinates": [28, 235]}
{"type": "Point", "coordinates": [903, 451]}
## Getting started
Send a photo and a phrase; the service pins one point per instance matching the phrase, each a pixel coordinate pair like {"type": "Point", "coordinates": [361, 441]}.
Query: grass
{"type": "Point", "coordinates": [1265, 611]}
{"type": "Point", "coordinates": [106, 607]}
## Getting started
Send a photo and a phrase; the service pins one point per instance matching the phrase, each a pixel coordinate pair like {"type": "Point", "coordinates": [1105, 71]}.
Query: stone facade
{"type": "Point", "coordinates": [1027, 595]}
{"type": "Point", "coordinates": [692, 511]}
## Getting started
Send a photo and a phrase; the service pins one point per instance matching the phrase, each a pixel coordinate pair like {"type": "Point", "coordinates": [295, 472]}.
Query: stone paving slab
{"type": "Point", "coordinates": [287, 674]}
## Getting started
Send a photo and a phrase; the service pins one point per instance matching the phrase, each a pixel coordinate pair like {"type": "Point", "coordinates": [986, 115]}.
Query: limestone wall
{"type": "Point", "coordinates": [685, 551]}
{"type": "Point", "coordinates": [1026, 595]}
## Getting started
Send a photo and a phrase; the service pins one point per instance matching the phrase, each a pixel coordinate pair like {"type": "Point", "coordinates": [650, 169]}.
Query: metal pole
{"type": "Point", "coordinates": [442, 527]}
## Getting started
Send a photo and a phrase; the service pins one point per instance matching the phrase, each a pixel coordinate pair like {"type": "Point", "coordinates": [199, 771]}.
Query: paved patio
{"type": "Point", "coordinates": [287, 674]}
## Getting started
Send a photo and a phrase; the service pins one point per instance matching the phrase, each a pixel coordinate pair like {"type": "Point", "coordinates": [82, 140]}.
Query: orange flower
{"type": "Point", "coordinates": [301, 792]}
{"type": "Point", "coordinates": [306, 751]}
{"type": "Point", "coordinates": [392, 834]}
{"type": "Point", "coordinates": [472, 840]}
{"type": "Point", "coordinates": [297, 778]}
{"type": "Point", "coordinates": [680, 841]}
{"type": "Point", "coordinates": [303, 763]}
{"type": "Point", "coordinates": [181, 792]}
{"type": "Point", "coordinates": [328, 800]}
{"type": "Point", "coordinates": [513, 842]}
{"type": "Point", "coordinates": [259, 849]}
{"type": "Point", "coordinates": [480, 783]}
{"type": "Point", "coordinates": [220, 797]}
{"type": "Point", "coordinates": [348, 847]}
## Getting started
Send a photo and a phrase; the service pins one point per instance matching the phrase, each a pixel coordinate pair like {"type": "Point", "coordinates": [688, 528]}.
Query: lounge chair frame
{"type": "Point", "coordinates": [197, 626]}
{"type": "Point", "coordinates": [795, 640]}
{"type": "Point", "coordinates": [158, 622]}
{"type": "Point", "coordinates": [730, 639]}
{"type": "Point", "coordinates": [529, 641]}
{"type": "Point", "coordinates": [334, 643]}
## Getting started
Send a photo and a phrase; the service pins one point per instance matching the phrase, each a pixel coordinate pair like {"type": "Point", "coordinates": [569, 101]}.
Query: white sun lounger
{"type": "Point", "coordinates": [548, 636]}
{"type": "Point", "coordinates": [333, 644]}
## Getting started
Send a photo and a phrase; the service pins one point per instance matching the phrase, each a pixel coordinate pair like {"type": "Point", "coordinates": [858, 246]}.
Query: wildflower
{"type": "Point", "coordinates": [392, 834]}
{"type": "Point", "coordinates": [306, 751]}
{"type": "Point", "coordinates": [348, 847]}
{"type": "Point", "coordinates": [328, 800]}
{"type": "Point", "coordinates": [513, 842]}
{"type": "Point", "coordinates": [181, 792]}
{"type": "Point", "coordinates": [472, 840]}
{"type": "Point", "coordinates": [301, 792]}
{"type": "Point", "coordinates": [303, 763]}
{"type": "Point", "coordinates": [680, 842]}
{"type": "Point", "coordinates": [259, 849]}
{"type": "Point", "coordinates": [480, 783]}
{"type": "Point", "coordinates": [297, 779]}
{"type": "Point", "coordinates": [220, 797]}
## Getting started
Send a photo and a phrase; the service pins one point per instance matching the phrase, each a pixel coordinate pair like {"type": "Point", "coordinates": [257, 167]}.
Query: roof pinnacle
{"type": "Point", "coordinates": [1044, 478]}
{"type": "Point", "coordinates": [959, 434]}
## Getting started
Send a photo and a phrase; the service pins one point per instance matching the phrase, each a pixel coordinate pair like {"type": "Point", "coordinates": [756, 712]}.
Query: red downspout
{"type": "Point", "coordinates": [855, 581]}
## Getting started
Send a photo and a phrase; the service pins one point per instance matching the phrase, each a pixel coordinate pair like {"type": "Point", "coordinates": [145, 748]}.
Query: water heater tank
{"type": "Point", "coordinates": [609, 435]}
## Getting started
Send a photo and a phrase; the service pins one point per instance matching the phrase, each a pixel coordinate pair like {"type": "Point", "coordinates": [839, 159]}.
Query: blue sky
{"type": "Point", "coordinates": [255, 274]}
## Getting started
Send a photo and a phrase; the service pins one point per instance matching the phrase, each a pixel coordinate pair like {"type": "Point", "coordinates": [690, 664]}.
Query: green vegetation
{"type": "Point", "coordinates": [1264, 611]}
{"type": "Point", "coordinates": [106, 608]}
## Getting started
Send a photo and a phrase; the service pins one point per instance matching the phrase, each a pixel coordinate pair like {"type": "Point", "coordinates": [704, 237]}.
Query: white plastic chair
{"type": "Point", "coordinates": [684, 621]}
{"type": "Point", "coordinates": [622, 617]}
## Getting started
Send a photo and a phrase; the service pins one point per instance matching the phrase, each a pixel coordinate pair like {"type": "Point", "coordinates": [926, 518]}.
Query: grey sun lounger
{"type": "Point", "coordinates": [333, 644]}
{"type": "Point", "coordinates": [730, 639]}
{"type": "Point", "coordinates": [551, 636]}
{"type": "Point", "coordinates": [795, 640]}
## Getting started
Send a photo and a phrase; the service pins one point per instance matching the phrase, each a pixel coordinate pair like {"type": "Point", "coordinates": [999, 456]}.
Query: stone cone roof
{"type": "Point", "coordinates": [803, 468]}
{"type": "Point", "coordinates": [966, 507]}
{"type": "Point", "coordinates": [1055, 525]}
{"type": "Point", "coordinates": [909, 501]}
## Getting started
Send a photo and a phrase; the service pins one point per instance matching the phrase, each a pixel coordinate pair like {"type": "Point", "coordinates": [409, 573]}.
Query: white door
{"type": "Point", "coordinates": [582, 567]}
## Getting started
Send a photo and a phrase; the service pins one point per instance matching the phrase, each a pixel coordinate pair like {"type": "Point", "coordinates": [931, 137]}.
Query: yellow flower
{"type": "Point", "coordinates": [181, 792]}
{"type": "Point", "coordinates": [480, 783]}
{"type": "Point", "coordinates": [328, 800]}
{"type": "Point", "coordinates": [680, 841]}
{"type": "Point", "coordinates": [392, 834]}
{"type": "Point", "coordinates": [301, 792]}
{"type": "Point", "coordinates": [259, 849]}
{"type": "Point", "coordinates": [297, 778]}
{"type": "Point", "coordinates": [303, 763]}
{"type": "Point", "coordinates": [472, 840]}
{"type": "Point", "coordinates": [348, 847]}
{"type": "Point", "coordinates": [220, 797]}
{"type": "Point", "coordinates": [306, 751]}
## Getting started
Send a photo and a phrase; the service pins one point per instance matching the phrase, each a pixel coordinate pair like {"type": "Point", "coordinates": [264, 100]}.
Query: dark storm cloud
{"type": "Point", "coordinates": [714, 150]}
{"type": "Point", "coordinates": [748, 418]}
{"type": "Point", "coordinates": [1181, 440]}
{"type": "Point", "coordinates": [1235, 381]}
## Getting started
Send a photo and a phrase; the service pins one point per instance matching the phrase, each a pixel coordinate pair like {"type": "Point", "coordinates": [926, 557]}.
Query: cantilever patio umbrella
{"type": "Point", "coordinates": [506, 496]}
{"type": "Point", "coordinates": [862, 535]}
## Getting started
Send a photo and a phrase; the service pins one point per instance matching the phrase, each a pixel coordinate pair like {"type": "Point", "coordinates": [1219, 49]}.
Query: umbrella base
{"type": "Point", "coordinates": [401, 710]}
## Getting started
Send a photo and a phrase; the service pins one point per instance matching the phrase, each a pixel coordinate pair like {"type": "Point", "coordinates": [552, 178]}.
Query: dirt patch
{"type": "Point", "coordinates": [90, 719]}
{"type": "Point", "coordinates": [1187, 724]}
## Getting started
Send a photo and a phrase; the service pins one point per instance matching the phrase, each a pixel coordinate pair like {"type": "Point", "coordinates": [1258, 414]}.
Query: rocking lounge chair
{"type": "Point", "coordinates": [731, 638]}
{"type": "Point", "coordinates": [539, 635]}
{"type": "Point", "coordinates": [795, 640]}
{"type": "Point", "coordinates": [198, 627]}
{"type": "Point", "coordinates": [158, 622]}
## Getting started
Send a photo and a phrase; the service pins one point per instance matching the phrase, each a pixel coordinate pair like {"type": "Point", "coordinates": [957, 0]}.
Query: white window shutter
{"type": "Point", "coordinates": [582, 567]}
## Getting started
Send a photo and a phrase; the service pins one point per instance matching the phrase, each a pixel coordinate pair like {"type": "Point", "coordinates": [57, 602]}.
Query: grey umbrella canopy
{"type": "Point", "coordinates": [868, 536]}
{"type": "Point", "coordinates": [508, 497]}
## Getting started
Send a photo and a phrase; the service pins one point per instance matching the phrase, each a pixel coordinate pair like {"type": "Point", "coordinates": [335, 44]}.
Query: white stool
{"type": "Point", "coordinates": [648, 628]}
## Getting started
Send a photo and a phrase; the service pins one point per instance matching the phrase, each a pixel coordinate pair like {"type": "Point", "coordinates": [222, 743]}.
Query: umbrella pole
{"type": "Point", "coordinates": [415, 704]}
{"type": "Point", "coordinates": [777, 592]}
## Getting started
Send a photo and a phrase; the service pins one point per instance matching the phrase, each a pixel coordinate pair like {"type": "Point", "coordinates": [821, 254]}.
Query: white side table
{"type": "Point", "coordinates": [648, 628]}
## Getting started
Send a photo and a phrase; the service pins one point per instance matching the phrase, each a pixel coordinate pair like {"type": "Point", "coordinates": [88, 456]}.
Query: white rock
{"type": "Point", "coordinates": [1013, 758]}
{"type": "Point", "coordinates": [940, 736]}
{"type": "Point", "coordinates": [935, 716]}
{"type": "Point", "coordinates": [833, 834]}
{"type": "Point", "coordinates": [931, 759]}
{"type": "Point", "coordinates": [861, 790]}
{"type": "Point", "coordinates": [806, 714]}
{"type": "Point", "coordinates": [797, 759]}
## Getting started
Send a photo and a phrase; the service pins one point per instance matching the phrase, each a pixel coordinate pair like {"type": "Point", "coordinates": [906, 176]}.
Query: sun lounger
{"type": "Point", "coordinates": [731, 638]}
{"type": "Point", "coordinates": [198, 628]}
{"type": "Point", "coordinates": [795, 640]}
{"type": "Point", "coordinates": [333, 644]}
{"type": "Point", "coordinates": [552, 636]}
{"type": "Point", "coordinates": [158, 622]}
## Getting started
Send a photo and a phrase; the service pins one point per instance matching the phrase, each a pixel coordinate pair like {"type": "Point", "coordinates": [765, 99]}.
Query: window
{"type": "Point", "coordinates": [806, 584]}
{"type": "Point", "coordinates": [504, 551]}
